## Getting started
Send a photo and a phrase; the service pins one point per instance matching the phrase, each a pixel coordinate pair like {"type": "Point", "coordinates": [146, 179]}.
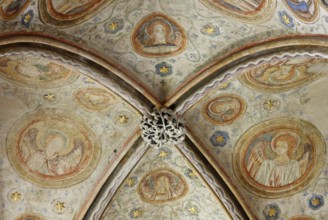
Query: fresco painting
{"type": "Point", "coordinates": [158, 35]}
{"type": "Point", "coordinates": [306, 10]}
{"type": "Point", "coordinates": [36, 72]}
{"type": "Point", "coordinates": [161, 186]}
{"type": "Point", "coordinates": [324, 4]}
{"type": "Point", "coordinates": [301, 217]}
{"type": "Point", "coordinates": [279, 157]}
{"type": "Point", "coordinates": [164, 185]}
{"type": "Point", "coordinates": [63, 13]}
{"type": "Point", "coordinates": [247, 10]}
{"type": "Point", "coordinates": [282, 74]}
{"type": "Point", "coordinates": [30, 216]}
{"type": "Point", "coordinates": [53, 147]}
{"type": "Point", "coordinates": [224, 109]}
{"type": "Point", "coordinates": [10, 9]}
{"type": "Point", "coordinates": [94, 99]}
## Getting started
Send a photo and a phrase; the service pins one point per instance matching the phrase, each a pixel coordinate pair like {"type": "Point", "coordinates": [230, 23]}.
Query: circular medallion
{"type": "Point", "coordinates": [30, 216]}
{"type": "Point", "coordinates": [279, 157]}
{"type": "Point", "coordinates": [94, 99]}
{"type": "Point", "coordinates": [246, 10]}
{"type": "Point", "coordinates": [158, 35]}
{"type": "Point", "coordinates": [161, 186]}
{"type": "Point", "coordinates": [224, 109]}
{"type": "Point", "coordinates": [52, 148]}
{"type": "Point", "coordinates": [284, 73]}
{"type": "Point", "coordinates": [36, 71]}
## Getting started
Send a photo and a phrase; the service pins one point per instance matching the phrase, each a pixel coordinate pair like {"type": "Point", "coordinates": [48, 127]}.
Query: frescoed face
{"type": "Point", "coordinates": [158, 34]}
{"type": "Point", "coordinates": [54, 143]}
{"type": "Point", "coordinates": [281, 148]}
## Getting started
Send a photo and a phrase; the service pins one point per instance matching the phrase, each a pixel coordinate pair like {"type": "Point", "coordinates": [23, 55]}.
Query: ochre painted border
{"type": "Point", "coordinates": [62, 21]}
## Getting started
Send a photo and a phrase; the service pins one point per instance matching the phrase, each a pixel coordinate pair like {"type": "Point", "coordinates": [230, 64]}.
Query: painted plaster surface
{"type": "Point", "coordinates": [164, 185]}
{"type": "Point", "coordinates": [161, 47]}
{"type": "Point", "coordinates": [275, 182]}
{"type": "Point", "coordinates": [61, 142]}
{"type": "Point", "coordinates": [198, 34]}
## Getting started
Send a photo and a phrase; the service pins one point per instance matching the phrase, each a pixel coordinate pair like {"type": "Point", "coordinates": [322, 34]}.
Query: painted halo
{"type": "Point", "coordinates": [162, 185]}
{"type": "Point", "coordinates": [224, 109]}
{"type": "Point", "coordinates": [52, 148]}
{"type": "Point", "coordinates": [258, 11]}
{"type": "Point", "coordinates": [279, 157]}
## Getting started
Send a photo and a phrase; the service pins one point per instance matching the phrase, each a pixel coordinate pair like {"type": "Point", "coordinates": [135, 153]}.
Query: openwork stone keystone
{"type": "Point", "coordinates": [162, 126]}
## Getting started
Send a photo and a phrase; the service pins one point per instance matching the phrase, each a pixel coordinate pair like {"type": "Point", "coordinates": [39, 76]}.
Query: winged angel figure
{"type": "Point", "coordinates": [282, 169]}
{"type": "Point", "coordinates": [47, 160]}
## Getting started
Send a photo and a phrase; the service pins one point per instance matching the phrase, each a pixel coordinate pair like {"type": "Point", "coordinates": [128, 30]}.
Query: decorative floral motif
{"type": "Point", "coordinates": [26, 18]}
{"type": "Point", "coordinates": [286, 19]}
{"type": "Point", "coordinates": [136, 213]}
{"type": "Point", "coordinates": [316, 202]}
{"type": "Point", "coordinates": [219, 138]}
{"type": "Point", "coordinates": [114, 25]}
{"type": "Point", "coordinates": [270, 105]}
{"type": "Point", "coordinates": [210, 30]}
{"type": "Point", "coordinates": [190, 173]}
{"type": "Point", "coordinates": [160, 127]}
{"type": "Point", "coordinates": [15, 196]}
{"type": "Point", "coordinates": [131, 182]}
{"type": "Point", "coordinates": [60, 206]}
{"type": "Point", "coordinates": [164, 153]}
{"type": "Point", "coordinates": [271, 212]}
{"type": "Point", "coordinates": [163, 69]}
{"type": "Point", "coordinates": [193, 210]}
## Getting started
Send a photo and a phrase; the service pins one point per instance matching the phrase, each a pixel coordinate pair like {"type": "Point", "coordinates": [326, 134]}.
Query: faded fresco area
{"type": "Point", "coordinates": [9, 9]}
{"type": "Point", "coordinates": [158, 35]}
{"type": "Point", "coordinates": [275, 153]}
{"type": "Point", "coordinates": [164, 185]}
{"type": "Point", "coordinates": [191, 36]}
{"type": "Point", "coordinates": [248, 77]}
{"type": "Point", "coordinates": [69, 12]}
{"type": "Point", "coordinates": [249, 10]}
{"type": "Point", "coordinates": [62, 135]}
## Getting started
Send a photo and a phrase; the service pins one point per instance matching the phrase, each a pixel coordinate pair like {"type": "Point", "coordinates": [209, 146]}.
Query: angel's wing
{"type": "Point", "coordinates": [28, 145]}
{"type": "Point", "coordinates": [68, 162]}
{"type": "Point", "coordinates": [256, 158]}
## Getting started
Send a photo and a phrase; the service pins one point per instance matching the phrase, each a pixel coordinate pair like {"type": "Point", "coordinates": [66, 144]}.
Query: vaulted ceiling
{"type": "Point", "coordinates": [247, 78]}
